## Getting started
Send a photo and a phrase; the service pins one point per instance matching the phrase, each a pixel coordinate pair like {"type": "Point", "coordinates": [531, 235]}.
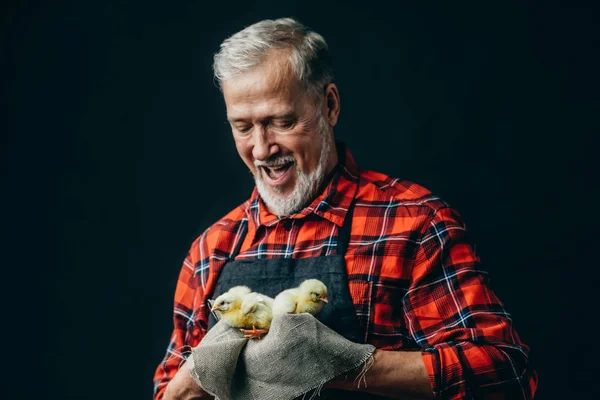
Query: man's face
{"type": "Point", "coordinates": [279, 133]}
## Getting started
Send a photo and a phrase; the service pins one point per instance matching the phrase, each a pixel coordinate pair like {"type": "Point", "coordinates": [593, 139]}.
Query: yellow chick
{"type": "Point", "coordinates": [258, 311]}
{"type": "Point", "coordinates": [306, 298]}
{"type": "Point", "coordinates": [228, 305]}
{"type": "Point", "coordinates": [241, 308]}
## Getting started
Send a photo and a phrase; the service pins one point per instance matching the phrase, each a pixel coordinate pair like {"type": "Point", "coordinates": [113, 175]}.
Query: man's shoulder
{"type": "Point", "coordinates": [226, 226]}
{"type": "Point", "coordinates": [381, 190]}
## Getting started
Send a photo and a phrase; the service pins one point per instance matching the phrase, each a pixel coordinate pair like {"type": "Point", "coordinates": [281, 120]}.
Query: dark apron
{"type": "Point", "coordinates": [273, 275]}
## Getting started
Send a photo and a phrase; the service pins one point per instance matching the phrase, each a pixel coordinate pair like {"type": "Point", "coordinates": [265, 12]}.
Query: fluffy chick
{"type": "Point", "coordinates": [228, 305]}
{"type": "Point", "coordinates": [306, 298]}
{"type": "Point", "coordinates": [258, 312]}
{"type": "Point", "coordinates": [241, 308]}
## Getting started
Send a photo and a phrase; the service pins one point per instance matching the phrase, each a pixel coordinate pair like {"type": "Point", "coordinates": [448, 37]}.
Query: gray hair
{"type": "Point", "coordinates": [247, 48]}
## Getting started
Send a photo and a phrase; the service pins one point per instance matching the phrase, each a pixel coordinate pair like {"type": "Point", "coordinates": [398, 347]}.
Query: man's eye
{"type": "Point", "coordinates": [243, 128]}
{"type": "Point", "coordinates": [286, 124]}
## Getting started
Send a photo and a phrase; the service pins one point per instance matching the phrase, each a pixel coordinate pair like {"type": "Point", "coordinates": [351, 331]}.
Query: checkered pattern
{"type": "Point", "coordinates": [413, 275]}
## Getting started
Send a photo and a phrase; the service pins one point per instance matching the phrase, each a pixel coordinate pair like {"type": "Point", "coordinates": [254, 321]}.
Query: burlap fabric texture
{"type": "Point", "coordinates": [297, 356]}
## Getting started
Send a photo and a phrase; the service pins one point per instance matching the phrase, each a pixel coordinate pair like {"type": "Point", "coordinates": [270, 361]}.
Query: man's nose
{"type": "Point", "coordinates": [264, 144]}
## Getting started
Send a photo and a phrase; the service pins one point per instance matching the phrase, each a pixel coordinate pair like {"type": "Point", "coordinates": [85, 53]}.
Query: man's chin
{"type": "Point", "coordinates": [278, 202]}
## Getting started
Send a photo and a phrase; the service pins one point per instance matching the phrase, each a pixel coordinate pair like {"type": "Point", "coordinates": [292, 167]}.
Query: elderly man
{"type": "Point", "coordinates": [414, 286]}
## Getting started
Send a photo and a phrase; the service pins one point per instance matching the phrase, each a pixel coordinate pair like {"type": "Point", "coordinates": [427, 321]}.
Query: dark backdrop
{"type": "Point", "coordinates": [116, 155]}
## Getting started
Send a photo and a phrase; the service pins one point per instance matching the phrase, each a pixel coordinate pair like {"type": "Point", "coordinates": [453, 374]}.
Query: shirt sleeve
{"type": "Point", "coordinates": [469, 346]}
{"type": "Point", "coordinates": [185, 333]}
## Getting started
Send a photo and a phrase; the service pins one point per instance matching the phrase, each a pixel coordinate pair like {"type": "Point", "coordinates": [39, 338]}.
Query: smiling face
{"type": "Point", "coordinates": [283, 136]}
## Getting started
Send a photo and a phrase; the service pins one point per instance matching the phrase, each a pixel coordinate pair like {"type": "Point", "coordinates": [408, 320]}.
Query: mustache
{"type": "Point", "coordinates": [275, 161]}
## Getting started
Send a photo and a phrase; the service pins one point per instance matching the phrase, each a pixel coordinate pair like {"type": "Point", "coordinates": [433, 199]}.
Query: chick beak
{"type": "Point", "coordinates": [215, 308]}
{"type": "Point", "coordinates": [324, 300]}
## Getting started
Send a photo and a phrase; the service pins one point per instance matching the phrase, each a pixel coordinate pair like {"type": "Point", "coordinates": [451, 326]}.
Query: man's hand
{"type": "Point", "coordinates": [394, 374]}
{"type": "Point", "coordinates": [183, 387]}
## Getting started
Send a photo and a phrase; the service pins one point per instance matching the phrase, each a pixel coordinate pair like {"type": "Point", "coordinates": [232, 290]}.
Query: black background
{"type": "Point", "coordinates": [115, 156]}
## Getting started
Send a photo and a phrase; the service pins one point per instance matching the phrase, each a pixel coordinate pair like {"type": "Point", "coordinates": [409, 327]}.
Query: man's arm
{"type": "Point", "coordinates": [394, 374]}
{"type": "Point", "coordinates": [469, 344]}
{"type": "Point", "coordinates": [183, 386]}
{"type": "Point", "coordinates": [185, 335]}
{"type": "Point", "coordinates": [469, 347]}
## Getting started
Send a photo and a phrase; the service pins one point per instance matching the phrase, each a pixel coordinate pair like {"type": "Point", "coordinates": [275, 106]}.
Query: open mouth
{"type": "Point", "coordinates": [277, 173]}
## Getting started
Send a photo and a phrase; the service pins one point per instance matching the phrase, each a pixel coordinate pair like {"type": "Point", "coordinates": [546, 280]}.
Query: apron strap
{"type": "Point", "coordinates": [241, 238]}
{"type": "Point", "coordinates": [344, 232]}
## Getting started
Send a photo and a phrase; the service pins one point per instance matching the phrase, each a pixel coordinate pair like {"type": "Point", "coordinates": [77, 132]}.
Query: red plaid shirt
{"type": "Point", "coordinates": [414, 278]}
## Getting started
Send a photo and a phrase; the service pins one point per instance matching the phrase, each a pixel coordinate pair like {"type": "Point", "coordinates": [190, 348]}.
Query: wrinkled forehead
{"type": "Point", "coordinates": [270, 88]}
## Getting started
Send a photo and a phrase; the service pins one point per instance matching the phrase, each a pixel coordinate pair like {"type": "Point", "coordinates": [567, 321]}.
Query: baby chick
{"type": "Point", "coordinates": [306, 298]}
{"type": "Point", "coordinates": [258, 311]}
{"type": "Point", "coordinates": [241, 308]}
{"type": "Point", "coordinates": [228, 305]}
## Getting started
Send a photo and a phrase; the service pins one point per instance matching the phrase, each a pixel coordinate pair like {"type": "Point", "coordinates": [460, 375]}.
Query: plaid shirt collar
{"type": "Point", "coordinates": [332, 204]}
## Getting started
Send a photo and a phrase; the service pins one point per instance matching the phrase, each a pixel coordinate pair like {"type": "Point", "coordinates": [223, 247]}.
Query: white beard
{"type": "Point", "coordinates": [307, 185]}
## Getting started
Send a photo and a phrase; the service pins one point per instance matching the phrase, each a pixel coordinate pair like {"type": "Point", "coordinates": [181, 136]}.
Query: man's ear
{"type": "Point", "coordinates": [332, 104]}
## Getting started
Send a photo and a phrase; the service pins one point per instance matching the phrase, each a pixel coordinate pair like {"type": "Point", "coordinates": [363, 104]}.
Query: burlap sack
{"type": "Point", "coordinates": [297, 356]}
